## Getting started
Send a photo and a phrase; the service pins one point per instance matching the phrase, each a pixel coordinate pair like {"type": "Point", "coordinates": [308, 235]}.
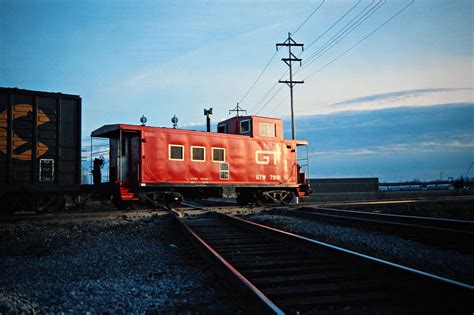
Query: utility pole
{"type": "Point", "coordinates": [291, 57]}
{"type": "Point", "coordinates": [237, 109]}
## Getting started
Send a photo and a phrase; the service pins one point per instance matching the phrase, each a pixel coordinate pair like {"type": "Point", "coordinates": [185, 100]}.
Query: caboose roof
{"type": "Point", "coordinates": [248, 117]}
{"type": "Point", "coordinates": [108, 131]}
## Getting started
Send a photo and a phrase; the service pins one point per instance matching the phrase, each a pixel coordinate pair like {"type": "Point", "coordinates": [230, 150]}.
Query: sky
{"type": "Point", "coordinates": [163, 58]}
{"type": "Point", "coordinates": [394, 144]}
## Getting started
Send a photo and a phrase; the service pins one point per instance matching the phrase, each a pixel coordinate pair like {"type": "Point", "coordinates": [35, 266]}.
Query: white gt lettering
{"type": "Point", "coordinates": [263, 157]}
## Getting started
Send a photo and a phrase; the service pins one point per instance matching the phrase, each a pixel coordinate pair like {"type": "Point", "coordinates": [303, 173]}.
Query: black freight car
{"type": "Point", "coordinates": [40, 149]}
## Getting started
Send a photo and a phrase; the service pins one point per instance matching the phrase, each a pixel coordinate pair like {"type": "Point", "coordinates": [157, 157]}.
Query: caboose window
{"type": "Point", "coordinates": [198, 154]}
{"type": "Point", "coordinates": [222, 128]}
{"type": "Point", "coordinates": [245, 126]}
{"type": "Point", "coordinates": [224, 171]}
{"type": "Point", "coordinates": [267, 129]}
{"type": "Point", "coordinates": [176, 152]}
{"type": "Point", "coordinates": [218, 155]}
{"type": "Point", "coordinates": [124, 146]}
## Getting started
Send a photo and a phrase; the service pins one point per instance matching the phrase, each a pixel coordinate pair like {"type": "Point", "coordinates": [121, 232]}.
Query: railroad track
{"type": "Point", "coordinates": [279, 272]}
{"type": "Point", "coordinates": [442, 233]}
{"type": "Point", "coordinates": [394, 201]}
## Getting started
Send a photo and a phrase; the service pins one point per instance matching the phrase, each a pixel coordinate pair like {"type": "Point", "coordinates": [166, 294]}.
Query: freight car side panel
{"type": "Point", "coordinates": [3, 138]}
{"type": "Point", "coordinates": [22, 138]}
{"type": "Point", "coordinates": [247, 160]}
{"type": "Point", "coordinates": [39, 141]}
{"type": "Point", "coordinates": [68, 167]}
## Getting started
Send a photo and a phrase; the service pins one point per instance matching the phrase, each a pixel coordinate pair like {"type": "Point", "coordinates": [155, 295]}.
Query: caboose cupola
{"type": "Point", "coordinates": [253, 126]}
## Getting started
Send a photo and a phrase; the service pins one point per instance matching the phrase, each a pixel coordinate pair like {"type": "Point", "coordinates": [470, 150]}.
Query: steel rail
{"type": "Point", "coordinates": [251, 292]}
{"type": "Point", "coordinates": [450, 234]}
{"type": "Point", "coordinates": [364, 256]}
{"type": "Point", "coordinates": [441, 223]}
{"type": "Point", "coordinates": [230, 244]}
{"type": "Point", "coordinates": [390, 201]}
{"type": "Point", "coordinates": [387, 220]}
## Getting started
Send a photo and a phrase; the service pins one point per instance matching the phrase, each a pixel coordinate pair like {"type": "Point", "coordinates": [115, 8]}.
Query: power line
{"type": "Point", "coordinates": [286, 71]}
{"type": "Point", "coordinates": [318, 6]}
{"type": "Point", "coordinates": [268, 93]}
{"type": "Point", "coordinates": [278, 105]}
{"type": "Point", "coordinates": [335, 23]}
{"type": "Point", "coordinates": [258, 78]}
{"type": "Point", "coordinates": [307, 19]}
{"type": "Point", "coordinates": [344, 32]}
{"type": "Point", "coordinates": [360, 41]}
{"type": "Point", "coordinates": [346, 27]}
{"type": "Point", "coordinates": [355, 45]}
{"type": "Point", "coordinates": [361, 17]}
{"type": "Point", "coordinates": [270, 99]}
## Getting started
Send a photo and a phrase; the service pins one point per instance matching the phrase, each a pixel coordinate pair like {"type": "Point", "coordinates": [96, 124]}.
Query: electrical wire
{"type": "Point", "coordinates": [278, 104]}
{"type": "Point", "coordinates": [258, 78]}
{"type": "Point", "coordinates": [267, 93]}
{"type": "Point", "coordinates": [352, 47]}
{"type": "Point", "coordinates": [344, 32]}
{"type": "Point", "coordinates": [270, 99]}
{"type": "Point", "coordinates": [334, 24]}
{"type": "Point", "coordinates": [312, 43]}
{"type": "Point", "coordinates": [307, 19]}
{"type": "Point", "coordinates": [361, 40]}
{"type": "Point", "coordinates": [344, 28]}
{"type": "Point", "coordinates": [274, 54]}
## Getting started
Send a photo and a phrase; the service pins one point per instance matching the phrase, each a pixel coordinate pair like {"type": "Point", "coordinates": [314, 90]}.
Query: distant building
{"type": "Point", "coordinates": [344, 185]}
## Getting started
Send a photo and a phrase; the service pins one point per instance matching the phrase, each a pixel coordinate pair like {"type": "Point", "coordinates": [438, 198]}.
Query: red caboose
{"type": "Point", "coordinates": [247, 158]}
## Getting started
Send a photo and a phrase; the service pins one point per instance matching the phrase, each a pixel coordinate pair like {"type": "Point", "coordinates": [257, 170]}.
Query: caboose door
{"type": "Point", "coordinates": [130, 149]}
{"type": "Point", "coordinates": [134, 163]}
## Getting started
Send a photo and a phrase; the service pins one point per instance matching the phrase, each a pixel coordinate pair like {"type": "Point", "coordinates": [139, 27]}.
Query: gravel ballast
{"type": "Point", "coordinates": [117, 265]}
{"type": "Point", "coordinates": [445, 263]}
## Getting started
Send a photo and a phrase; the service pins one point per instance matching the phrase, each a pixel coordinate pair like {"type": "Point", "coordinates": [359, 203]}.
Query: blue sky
{"type": "Point", "coordinates": [160, 58]}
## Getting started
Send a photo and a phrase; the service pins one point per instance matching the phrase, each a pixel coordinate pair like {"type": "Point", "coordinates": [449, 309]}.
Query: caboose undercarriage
{"type": "Point", "coordinates": [170, 196]}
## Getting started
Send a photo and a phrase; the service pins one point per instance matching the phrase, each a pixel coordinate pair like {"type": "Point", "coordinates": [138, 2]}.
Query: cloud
{"type": "Point", "coordinates": [399, 95]}
{"type": "Point", "coordinates": [396, 148]}
{"type": "Point", "coordinates": [406, 141]}
{"type": "Point", "coordinates": [350, 152]}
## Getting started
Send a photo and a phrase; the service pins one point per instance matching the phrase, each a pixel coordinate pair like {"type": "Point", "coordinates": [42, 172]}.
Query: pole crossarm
{"type": "Point", "coordinates": [289, 42]}
{"type": "Point", "coordinates": [237, 109]}
{"type": "Point", "coordinates": [291, 83]}
{"type": "Point", "coordinates": [291, 59]}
